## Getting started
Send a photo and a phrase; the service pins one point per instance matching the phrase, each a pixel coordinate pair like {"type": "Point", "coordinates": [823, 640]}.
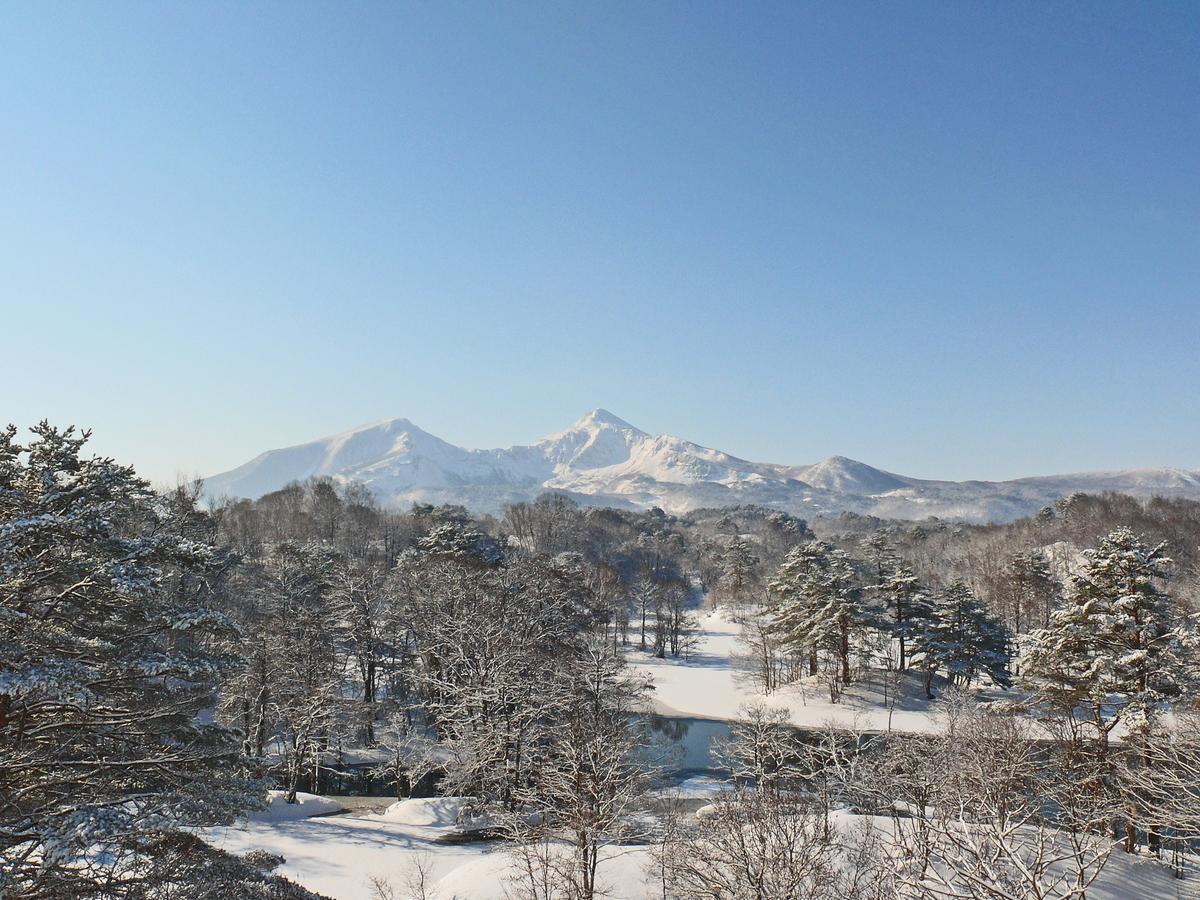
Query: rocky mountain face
{"type": "Point", "coordinates": [602, 460]}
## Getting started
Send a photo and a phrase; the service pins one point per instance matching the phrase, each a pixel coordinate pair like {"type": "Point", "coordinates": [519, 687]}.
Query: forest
{"type": "Point", "coordinates": [171, 663]}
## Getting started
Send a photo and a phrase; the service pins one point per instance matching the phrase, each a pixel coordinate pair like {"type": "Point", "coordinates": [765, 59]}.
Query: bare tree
{"type": "Point", "coordinates": [590, 782]}
{"type": "Point", "coordinates": [754, 844]}
{"type": "Point", "coordinates": [1002, 821]}
{"type": "Point", "coordinates": [763, 746]}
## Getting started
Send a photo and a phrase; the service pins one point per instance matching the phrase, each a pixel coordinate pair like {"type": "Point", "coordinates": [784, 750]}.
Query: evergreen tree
{"type": "Point", "coordinates": [880, 553]}
{"type": "Point", "coordinates": [793, 596]}
{"type": "Point", "coordinates": [908, 608]}
{"type": "Point", "coordinates": [815, 603]}
{"type": "Point", "coordinates": [460, 541]}
{"type": "Point", "coordinates": [738, 564]}
{"type": "Point", "coordinates": [963, 638]}
{"type": "Point", "coordinates": [1114, 648]}
{"type": "Point", "coordinates": [109, 647]}
{"type": "Point", "coordinates": [1033, 589]}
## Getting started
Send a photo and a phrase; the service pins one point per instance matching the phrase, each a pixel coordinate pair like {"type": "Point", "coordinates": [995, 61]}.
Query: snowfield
{"type": "Point", "coordinates": [305, 807]}
{"type": "Point", "coordinates": [439, 812]}
{"type": "Point", "coordinates": [339, 855]}
{"type": "Point", "coordinates": [709, 686]}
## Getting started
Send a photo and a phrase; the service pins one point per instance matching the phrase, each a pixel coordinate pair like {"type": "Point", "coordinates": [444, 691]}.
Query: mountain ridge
{"type": "Point", "coordinates": [603, 460]}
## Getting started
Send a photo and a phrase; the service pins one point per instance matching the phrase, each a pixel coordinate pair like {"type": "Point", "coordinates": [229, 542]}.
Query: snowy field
{"type": "Point", "coordinates": [708, 686]}
{"type": "Point", "coordinates": [339, 854]}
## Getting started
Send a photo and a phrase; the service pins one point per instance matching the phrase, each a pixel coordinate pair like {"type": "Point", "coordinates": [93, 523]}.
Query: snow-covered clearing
{"type": "Point", "coordinates": [338, 855]}
{"type": "Point", "coordinates": [709, 686]}
{"type": "Point", "coordinates": [305, 807]}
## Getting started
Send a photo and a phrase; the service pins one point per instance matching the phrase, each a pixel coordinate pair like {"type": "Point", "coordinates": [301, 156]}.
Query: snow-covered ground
{"type": "Point", "coordinates": [338, 855]}
{"type": "Point", "coordinates": [709, 686]}
{"type": "Point", "coordinates": [306, 807]}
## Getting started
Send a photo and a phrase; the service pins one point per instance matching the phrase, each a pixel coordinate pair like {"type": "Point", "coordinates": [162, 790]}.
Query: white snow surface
{"type": "Point", "coordinates": [603, 460]}
{"type": "Point", "coordinates": [427, 811]}
{"type": "Point", "coordinates": [339, 855]}
{"type": "Point", "coordinates": [305, 807]}
{"type": "Point", "coordinates": [709, 685]}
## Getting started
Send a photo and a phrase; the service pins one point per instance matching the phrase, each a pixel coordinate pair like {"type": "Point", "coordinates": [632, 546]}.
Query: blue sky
{"type": "Point", "coordinates": [951, 239]}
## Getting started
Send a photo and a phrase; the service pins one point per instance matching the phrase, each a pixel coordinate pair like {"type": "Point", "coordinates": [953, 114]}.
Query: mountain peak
{"type": "Point", "coordinates": [840, 473]}
{"type": "Point", "coordinates": [840, 461]}
{"type": "Point", "coordinates": [398, 423]}
{"type": "Point", "coordinates": [599, 418]}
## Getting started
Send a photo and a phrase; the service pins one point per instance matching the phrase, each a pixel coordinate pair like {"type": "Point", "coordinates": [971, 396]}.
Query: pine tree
{"type": "Point", "coordinates": [963, 638]}
{"type": "Point", "coordinates": [793, 596]}
{"type": "Point", "coordinates": [1033, 588]}
{"type": "Point", "coordinates": [880, 553]}
{"type": "Point", "coordinates": [908, 608]}
{"type": "Point", "coordinates": [456, 540]}
{"type": "Point", "coordinates": [738, 564]}
{"type": "Point", "coordinates": [815, 603]}
{"type": "Point", "coordinates": [1114, 646]}
{"type": "Point", "coordinates": [109, 647]}
{"type": "Point", "coordinates": [1115, 650]}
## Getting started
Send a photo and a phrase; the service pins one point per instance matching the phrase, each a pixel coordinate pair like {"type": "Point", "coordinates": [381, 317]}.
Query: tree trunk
{"type": "Point", "coordinates": [369, 698]}
{"type": "Point", "coordinates": [844, 652]}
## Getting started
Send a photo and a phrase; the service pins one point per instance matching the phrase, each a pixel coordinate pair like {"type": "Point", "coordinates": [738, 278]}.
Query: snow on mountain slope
{"type": "Point", "coordinates": [598, 440]}
{"type": "Point", "coordinates": [603, 460]}
{"type": "Point", "coordinates": [849, 476]}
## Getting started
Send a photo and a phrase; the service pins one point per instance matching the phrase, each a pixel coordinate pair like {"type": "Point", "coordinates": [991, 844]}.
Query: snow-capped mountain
{"type": "Point", "coordinates": [602, 460]}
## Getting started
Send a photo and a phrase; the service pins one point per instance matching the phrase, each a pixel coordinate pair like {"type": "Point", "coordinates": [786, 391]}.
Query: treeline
{"type": "Point", "coordinates": [983, 556]}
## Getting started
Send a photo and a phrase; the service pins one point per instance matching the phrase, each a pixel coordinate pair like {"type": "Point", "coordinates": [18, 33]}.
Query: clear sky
{"type": "Point", "coordinates": [950, 239]}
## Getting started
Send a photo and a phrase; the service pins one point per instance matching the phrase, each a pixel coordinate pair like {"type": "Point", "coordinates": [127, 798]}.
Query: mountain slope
{"type": "Point", "coordinates": [604, 460]}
